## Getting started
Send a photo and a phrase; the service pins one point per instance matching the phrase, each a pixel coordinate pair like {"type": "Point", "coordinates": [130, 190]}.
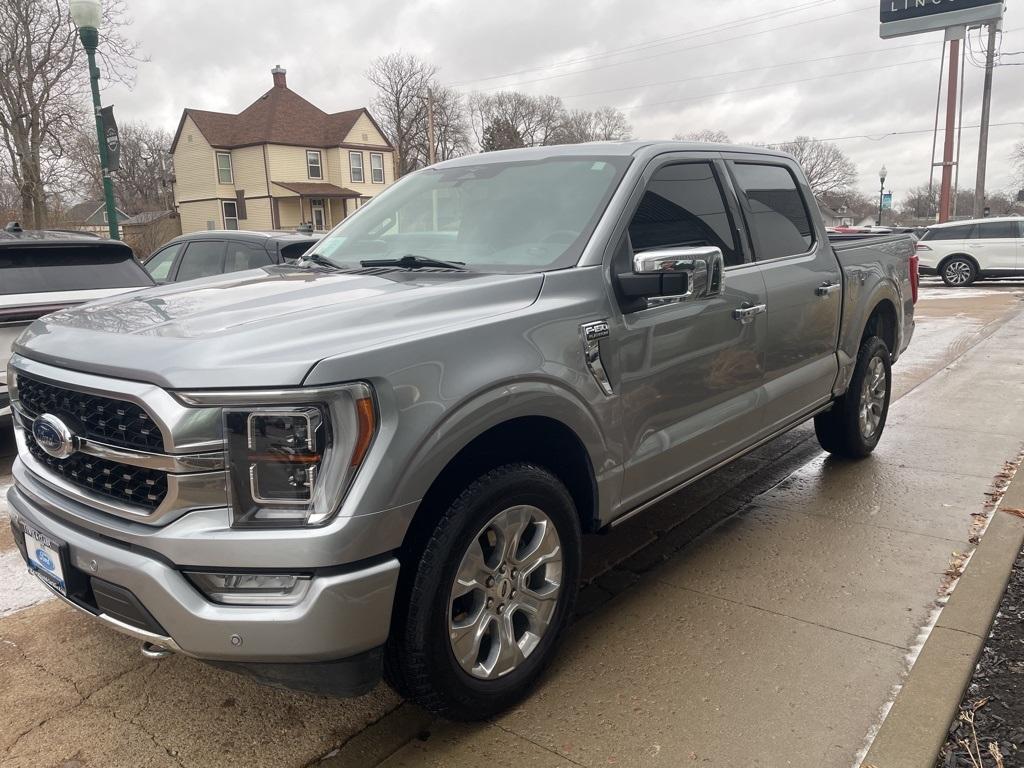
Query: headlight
{"type": "Point", "coordinates": [292, 454]}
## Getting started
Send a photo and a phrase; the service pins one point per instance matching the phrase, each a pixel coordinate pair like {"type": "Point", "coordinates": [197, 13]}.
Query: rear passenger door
{"type": "Point", "coordinates": [202, 258]}
{"type": "Point", "coordinates": [803, 280]}
{"type": "Point", "coordinates": [995, 246]}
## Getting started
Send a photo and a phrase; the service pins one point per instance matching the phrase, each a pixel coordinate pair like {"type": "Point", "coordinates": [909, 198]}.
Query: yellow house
{"type": "Point", "coordinates": [279, 163]}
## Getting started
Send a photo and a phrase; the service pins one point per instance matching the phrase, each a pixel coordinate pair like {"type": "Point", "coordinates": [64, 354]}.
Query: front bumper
{"type": "Point", "coordinates": [345, 613]}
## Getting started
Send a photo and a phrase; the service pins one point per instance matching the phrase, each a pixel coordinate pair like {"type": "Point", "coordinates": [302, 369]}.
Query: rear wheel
{"type": "Point", "coordinates": [959, 271]}
{"type": "Point", "coordinates": [492, 593]}
{"type": "Point", "coordinates": [855, 422]}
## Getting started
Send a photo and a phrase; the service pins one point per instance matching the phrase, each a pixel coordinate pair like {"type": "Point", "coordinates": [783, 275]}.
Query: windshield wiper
{"type": "Point", "coordinates": [412, 261]}
{"type": "Point", "coordinates": [322, 261]}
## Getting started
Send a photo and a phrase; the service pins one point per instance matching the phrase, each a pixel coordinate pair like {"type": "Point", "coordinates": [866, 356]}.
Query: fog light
{"type": "Point", "coordinates": [251, 588]}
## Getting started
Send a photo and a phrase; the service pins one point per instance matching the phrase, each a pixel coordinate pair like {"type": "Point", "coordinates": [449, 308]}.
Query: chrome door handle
{"type": "Point", "coordinates": [826, 289]}
{"type": "Point", "coordinates": [747, 314]}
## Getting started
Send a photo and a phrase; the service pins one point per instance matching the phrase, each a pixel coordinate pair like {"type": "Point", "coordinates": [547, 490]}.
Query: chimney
{"type": "Point", "coordinates": [280, 81]}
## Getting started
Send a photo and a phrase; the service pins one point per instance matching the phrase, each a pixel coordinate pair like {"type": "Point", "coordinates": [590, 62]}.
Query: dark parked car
{"type": "Point", "coordinates": [214, 252]}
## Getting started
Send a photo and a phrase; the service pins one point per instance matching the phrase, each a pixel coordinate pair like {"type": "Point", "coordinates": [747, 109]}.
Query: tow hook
{"type": "Point", "coordinates": [154, 651]}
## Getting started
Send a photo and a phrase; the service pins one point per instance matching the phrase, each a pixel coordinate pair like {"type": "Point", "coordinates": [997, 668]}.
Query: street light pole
{"type": "Point", "coordinates": [86, 15]}
{"type": "Point", "coordinates": [881, 191]}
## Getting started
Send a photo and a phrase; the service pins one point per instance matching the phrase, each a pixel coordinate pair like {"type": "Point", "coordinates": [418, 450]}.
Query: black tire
{"type": "Point", "coordinates": [958, 272]}
{"type": "Point", "coordinates": [420, 662]}
{"type": "Point", "coordinates": [839, 429]}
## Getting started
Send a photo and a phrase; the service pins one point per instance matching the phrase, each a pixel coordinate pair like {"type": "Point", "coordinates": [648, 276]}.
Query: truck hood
{"type": "Point", "coordinates": [266, 327]}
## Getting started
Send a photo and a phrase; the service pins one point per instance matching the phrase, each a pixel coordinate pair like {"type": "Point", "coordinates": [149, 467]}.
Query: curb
{"type": "Point", "coordinates": [917, 725]}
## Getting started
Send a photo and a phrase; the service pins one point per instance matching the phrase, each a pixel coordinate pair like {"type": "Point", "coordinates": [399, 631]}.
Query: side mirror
{"type": "Point", "coordinates": [674, 274]}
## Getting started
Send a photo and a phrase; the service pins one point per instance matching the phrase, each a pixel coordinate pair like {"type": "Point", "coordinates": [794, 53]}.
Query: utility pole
{"type": "Point", "coordinates": [947, 152]}
{"type": "Point", "coordinates": [431, 150]}
{"type": "Point", "coordinates": [986, 107]}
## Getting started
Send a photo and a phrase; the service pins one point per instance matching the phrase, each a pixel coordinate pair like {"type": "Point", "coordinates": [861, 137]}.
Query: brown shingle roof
{"type": "Point", "coordinates": [279, 116]}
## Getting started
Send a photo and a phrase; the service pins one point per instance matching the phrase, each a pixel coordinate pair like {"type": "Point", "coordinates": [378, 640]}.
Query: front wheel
{"type": "Point", "coordinates": [493, 591]}
{"type": "Point", "coordinates": [959, 272]}
{"type": "Point", "coordinates": [854, 425]}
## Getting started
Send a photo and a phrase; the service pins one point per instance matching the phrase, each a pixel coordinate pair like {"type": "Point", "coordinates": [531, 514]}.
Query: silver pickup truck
{"type": "Point", "coordinates": [382, 459]}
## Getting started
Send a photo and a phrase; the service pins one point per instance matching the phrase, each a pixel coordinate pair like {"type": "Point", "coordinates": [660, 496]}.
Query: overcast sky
{"type": "Point", "coordinates": [672, 66]}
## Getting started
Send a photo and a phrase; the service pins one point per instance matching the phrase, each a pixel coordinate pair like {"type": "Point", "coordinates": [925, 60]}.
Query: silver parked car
{"type": "Point", "coordinates": [382, 459]}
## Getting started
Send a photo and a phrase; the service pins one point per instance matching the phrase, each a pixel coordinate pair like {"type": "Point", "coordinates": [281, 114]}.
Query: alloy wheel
{"type": "Point", "coordinates": [958, 272]}
{"type": "Point", "coordinates": [872, 398]}
{"type": "Point", "coordinates": [505, 592]}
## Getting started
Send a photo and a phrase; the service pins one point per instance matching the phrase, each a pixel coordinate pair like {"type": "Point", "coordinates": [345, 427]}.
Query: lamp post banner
{"type": "Point", "coordinates": [112, 138]}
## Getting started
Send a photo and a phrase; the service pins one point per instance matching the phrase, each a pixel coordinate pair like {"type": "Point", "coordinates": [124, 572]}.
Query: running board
{"type": "Point", "coordinates": [753, 447]}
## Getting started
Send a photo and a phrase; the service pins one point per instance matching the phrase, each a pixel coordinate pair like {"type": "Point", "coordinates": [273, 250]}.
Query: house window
{"type": "Point", "coordinates": [224, 172]}
{"type": "Point", "coordinates": [313, 167]}
{"type": "Point", "coordinates": [355, 163]}
{"type": "Point", "coordinates": [377, 167]}
{"type": "Point", "coordinates": [230, 214]}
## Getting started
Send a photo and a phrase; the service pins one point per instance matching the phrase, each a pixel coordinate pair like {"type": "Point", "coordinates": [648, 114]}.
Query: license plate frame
{"type": "Point", "coordinates": [47, 558]}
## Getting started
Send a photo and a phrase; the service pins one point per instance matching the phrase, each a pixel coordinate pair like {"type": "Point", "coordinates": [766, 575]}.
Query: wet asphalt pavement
{"type": "Point", "coordinates": [761, 617]}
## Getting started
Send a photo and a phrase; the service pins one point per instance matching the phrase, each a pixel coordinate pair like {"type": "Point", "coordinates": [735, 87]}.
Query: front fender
{"type": "Point", "coordinates": [501, 403]}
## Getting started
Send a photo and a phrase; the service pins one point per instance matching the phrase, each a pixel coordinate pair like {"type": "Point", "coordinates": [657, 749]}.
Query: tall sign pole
{"type": "Point", "coordinates": [946, 186]}
{"type": "Point", "coordinates": [911, 17]}
{"type": "Point", "coordinates": [986, 107]}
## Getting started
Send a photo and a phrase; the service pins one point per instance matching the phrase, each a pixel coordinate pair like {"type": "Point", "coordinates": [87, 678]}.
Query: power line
{"type": "Point", "coordinates": [883, 136]}
{"type": "Point", "coordinates": [749, 69]}
{"type": "Point", "coordinates": [653, 42]}
{"type": "Point", "coordinates": [686, 50]}
{"type": "Point", "coordinates": [774, 85]}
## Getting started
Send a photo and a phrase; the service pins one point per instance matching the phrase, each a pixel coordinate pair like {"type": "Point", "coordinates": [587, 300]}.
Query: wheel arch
{"type": "Point", "coordinates": [960, 254]}
{"type": "Point", "coordinates": [883, 321]}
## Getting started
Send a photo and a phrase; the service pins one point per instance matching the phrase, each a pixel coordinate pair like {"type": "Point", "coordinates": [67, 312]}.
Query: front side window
{"type": "Point", "coordinates": [230, 214]}
{"type": "Point", "coordinates": [225, 174]}
{"type": "Point", "coordinates": [377, 167]}
{"type": "Point", "coordinates": [514, 216]}
{"type": "Point", "coordinates": [202, 258]}
{"type": "Point", "coordinates": [683, 207]}
{"type": "Point", "coordinates": [159, 267]}
{"type": "Point", "coordinates": [313, 166]}
{"type": "Point", "coordinates": [355, 164]}
{"type": "Point", "coordinates": [779, 222]}
{"type": "Point", "coordinates": [991, 230]}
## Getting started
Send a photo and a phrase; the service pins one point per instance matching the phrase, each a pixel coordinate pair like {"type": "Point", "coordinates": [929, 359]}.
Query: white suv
{"type": "Point", "coordinates": [961, 252]}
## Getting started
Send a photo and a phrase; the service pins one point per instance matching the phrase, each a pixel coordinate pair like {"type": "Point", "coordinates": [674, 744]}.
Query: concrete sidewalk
{"type": "Point", "coordinates": [779, 637]}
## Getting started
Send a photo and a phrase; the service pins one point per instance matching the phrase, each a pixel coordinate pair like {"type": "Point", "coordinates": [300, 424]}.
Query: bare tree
{"type": "Point", "coordinates": [141, 183]}
{"type": "Point", "coordinates": [451, 125]}
{"type": "Point", "coordinates": [826, 166]}
{"type": "Point", "coordinates": [402, 81]}
{"type": "Point", "coordinates": [704, 135]}
{"type": "Point", "coordinates": [610, 124]}
{"type": "Point", "coordinates": [536, 119]}
{"type": "Point", "coordinates": [1017, 158]}
{"type": "Point", "coordinates": [921, 203]}
{"type": "Point", "coordinates": [44, 90]}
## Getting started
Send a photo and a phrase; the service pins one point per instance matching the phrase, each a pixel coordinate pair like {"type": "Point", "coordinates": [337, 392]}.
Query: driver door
{"type": "Point", "coordinates": [692, 370]}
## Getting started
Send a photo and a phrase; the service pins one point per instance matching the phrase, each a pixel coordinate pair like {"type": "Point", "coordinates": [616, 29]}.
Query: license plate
{"type": "Point", "coordinates": [44, 557]}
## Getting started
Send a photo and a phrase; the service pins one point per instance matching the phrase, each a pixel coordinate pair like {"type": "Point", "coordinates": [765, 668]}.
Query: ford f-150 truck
{"type": "Point", "coordinates": [382, 459]}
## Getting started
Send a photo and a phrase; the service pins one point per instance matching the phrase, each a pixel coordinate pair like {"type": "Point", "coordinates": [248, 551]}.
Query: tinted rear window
{"type": "Point", "coordinates": [778, 217]}
{"type": "Point", "coordinates": [997, 229]}
{"type": "Point", "coordinates": [38, 269]}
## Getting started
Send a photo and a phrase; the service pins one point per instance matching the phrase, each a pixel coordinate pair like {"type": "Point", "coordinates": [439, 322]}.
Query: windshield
{"type": "Point", "coordinates": [523, 216]}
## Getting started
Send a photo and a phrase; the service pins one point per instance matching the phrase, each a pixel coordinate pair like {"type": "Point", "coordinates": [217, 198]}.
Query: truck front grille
{"type": "Point", "coordinates": [104, 419]}
{"type": "Point", "coordinates": [120, 482]}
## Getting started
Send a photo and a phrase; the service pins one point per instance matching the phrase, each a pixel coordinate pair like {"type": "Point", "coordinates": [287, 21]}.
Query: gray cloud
{"type": "Point", "coordinates": [218, 56]}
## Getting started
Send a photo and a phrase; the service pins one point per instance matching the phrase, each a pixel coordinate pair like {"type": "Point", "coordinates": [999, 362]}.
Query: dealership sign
{"type": "Point", "coordinates": [909, 17]}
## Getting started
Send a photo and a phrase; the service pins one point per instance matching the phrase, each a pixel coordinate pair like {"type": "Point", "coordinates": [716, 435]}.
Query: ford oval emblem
{"type": "Point", "coordinates": [44, 560]}
{"type": "Point", "coordinates": [54, 436]}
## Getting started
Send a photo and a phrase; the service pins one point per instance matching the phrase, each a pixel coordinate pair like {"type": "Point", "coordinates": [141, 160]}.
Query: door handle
{"type": "Point", "coordinates": [826, 289]}
{"type": "Point", "coordinates": [747, 314]}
